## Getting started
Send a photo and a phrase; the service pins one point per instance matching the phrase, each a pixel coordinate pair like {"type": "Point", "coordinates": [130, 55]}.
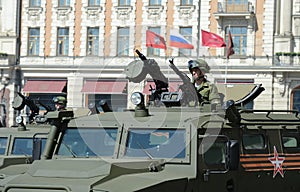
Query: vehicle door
{"type": "Point", "coordinates": [214, 171]}
{"type": "Point", "coordinates": [290, 139]}
{"type": "Point", "coordinates": [261, 160]}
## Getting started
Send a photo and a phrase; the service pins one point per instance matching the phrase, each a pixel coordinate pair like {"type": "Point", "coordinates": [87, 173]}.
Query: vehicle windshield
{"type": "Point", "coordinates": [156, 143]}
{"type": "Point", "coordinates": [23, 146]}
{"type": "Point", "coordinates": [86, 142]}
{"type": "Point", "coordinates": [3, 144]}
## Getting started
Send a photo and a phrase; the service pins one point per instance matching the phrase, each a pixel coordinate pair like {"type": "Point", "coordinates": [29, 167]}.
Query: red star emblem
{"type": "Point", "coordinates": [277, 163]}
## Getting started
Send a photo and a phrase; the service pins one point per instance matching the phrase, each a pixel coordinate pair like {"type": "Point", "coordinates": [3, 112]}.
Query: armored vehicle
{"type": "Point", "coordinates": [21, 144]}
{"type": "Point", "coordinates": [170, 146]}
{"type": "Point", "coordinates": [16, 145]}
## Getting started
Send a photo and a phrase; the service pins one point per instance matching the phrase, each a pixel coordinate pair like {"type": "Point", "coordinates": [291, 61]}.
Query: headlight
{"type": "Point", "coordinates": [137, 98]}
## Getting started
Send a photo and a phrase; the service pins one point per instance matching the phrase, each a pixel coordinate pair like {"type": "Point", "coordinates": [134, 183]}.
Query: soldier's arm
{"type": "Point", "coordinates": [214, 96]}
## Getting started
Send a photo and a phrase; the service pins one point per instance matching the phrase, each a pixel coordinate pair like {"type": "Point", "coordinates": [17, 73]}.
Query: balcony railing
{"type": "Point", "coordinates": [287, 59]}
{"type": "Point", "coordinates": [225, 7]}
{"type": "Point", "coordinates": [6, 60]}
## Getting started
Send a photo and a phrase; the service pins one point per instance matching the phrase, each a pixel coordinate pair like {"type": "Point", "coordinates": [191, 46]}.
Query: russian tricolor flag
{"type": "Point", "coordinates": [177, 40]}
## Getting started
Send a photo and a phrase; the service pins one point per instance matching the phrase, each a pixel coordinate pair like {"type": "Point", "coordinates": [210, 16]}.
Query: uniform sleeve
{"type": "Point", "coordinates": [214, 96]}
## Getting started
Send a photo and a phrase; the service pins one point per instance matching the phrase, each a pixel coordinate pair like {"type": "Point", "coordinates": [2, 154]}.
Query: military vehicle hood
{"type": "Point", "coordinates": [65, 168]}
{"type": "Point", "coordinates": [86, 172]}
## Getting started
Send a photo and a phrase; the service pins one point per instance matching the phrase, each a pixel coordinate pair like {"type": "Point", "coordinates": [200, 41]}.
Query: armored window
{"type": "Point", "coordinates": [289, 141]}
{"type": "Point", "coordinates": [123, 41]}
{"type": "Point", "coordinates": [156, 143]}
{"type": "Point", "coordinates": [186, 32]}
{"type": "Point", "coordinates": [124, 2]}
{"type": "Point", "coordinates": [92, 41]}
{"type": "Point", "coordinates": [239, 38]}
{"type": "Point", "coordinates": [63, 41]}
{"type": "Point", "coordinates": [88, 142]}
{"type": "Point", "coordinates": [253, 142]}
{"type": "Point", "coordinates": [154, 51]}
{"type": "Point", "coordinates": [3, 145]}
{"type": "Point", "coordinates": [94, 2]}
{"type": "Point", "coordinates": [215, 154]}
{"type": "Point", "coordinates": [34, 3]}
{"type": "Point", "coordinates": [186, 2]}
{"type": "Point", "coordinates": [33, 41]}
{"type": "Point", "coordinates": [63, 3]}
{"type": "Point", "coordinates": [154, 2]}
{"type": "Point", "coordinates": [23, 146]}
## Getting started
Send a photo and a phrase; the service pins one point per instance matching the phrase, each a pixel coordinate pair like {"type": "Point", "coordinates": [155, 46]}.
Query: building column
{"type": "Point", "coordinates": [283, 33]}
{"type": "Point", "coordinates": [75, 97]}
{"type": "Point", "coordinates": [286, 18]}
{"type": "Point", "coordinates": [277, 17]}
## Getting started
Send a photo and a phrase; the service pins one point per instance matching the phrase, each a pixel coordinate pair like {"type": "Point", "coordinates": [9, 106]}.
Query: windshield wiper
{"type": "Point", "coordinates": [26, 155]}
{"type": "Point", "coordinates": [70, 150]}
{"type": "Point", "coordinates": [145, 151]}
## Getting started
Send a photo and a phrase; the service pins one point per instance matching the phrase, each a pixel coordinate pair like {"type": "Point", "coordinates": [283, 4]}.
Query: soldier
{"type": "Point", "coordinates": [207, 92]}
{"type": "Point", "coordinates": [60, 103]}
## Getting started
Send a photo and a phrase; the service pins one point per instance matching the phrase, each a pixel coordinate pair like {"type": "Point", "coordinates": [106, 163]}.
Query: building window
{"type": "Point", "coordinates": [186, 32]}
{"type": "Point", "coordinates": [92, 41]}
{"type": "Point", "coordinates": [186, 2]}
{"type": "Point", "coordinates": [116, 102]}
{"type": "Point", "coordinates": [34, 3]}
{"type": "Point", "coordinates": [34, 41]}
{"type": "Point", "coordinates": [237, 5]}
{"type": "Point", "coordinates": [296, 99]}
{"type": "Point", "coordinates": [46, 99]}
{"type": "Point", "coordinates": [123, 41]}
{"type": "Point", "coordinates": [124, 2]}
{"type": "Point", "coordinates": [239, 38]}
{"type": "Point", "coordinates": [63, 3]}
{"type": "Point", "coordinates": [154, 51]}
{"type": "Point", "coordinates": [154, 2]}
{"type": "Point", "coordinates": [94, 2]}
{"type": "Point", "coordinates": [63, 41]}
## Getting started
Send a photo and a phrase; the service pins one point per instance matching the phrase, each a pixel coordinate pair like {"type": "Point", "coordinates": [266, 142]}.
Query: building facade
{"type": "Point", "coordinates": [9, 71]}
{"type": "Point", "coordinates": [79, 49]}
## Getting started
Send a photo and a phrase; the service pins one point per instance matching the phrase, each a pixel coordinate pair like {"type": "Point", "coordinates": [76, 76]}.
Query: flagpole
{"type": "Point", "coordinates": [230, 51]}
{"type": "Point", "coordinates": [227, 61]}
{"type": "Point", "coordinates": [168, 68]}
{"type": "Point", "coordinates": [225, 80]}
{"type": "Point", "coordinates": [199, 20]}
{"type": "Point", "coordinates": [226, 65]}
{"type": "Point", "coordinates": [226, 69]}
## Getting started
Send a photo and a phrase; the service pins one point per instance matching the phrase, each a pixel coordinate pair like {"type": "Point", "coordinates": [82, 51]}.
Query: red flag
{"type": "Point", "coordinates": [154, 40]}
{"type": "Point", "coordinates": [230, 46]}
{"type": "Point", "coordinates": [212, 40]}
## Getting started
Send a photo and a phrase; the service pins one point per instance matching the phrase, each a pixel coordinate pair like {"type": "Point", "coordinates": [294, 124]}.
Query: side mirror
{"type": "Point", "coordinates": [234, 155]}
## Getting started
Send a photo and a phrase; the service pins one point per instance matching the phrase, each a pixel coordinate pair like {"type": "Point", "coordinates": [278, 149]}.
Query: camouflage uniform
{"type": "Point", "coordinates": [207, 91]}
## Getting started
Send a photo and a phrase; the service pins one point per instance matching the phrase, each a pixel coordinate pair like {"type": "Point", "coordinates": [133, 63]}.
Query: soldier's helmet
{"type": "Point", "coordinates": [60, 100]}
{"type": "Point", "coordinates": [200, 63]}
